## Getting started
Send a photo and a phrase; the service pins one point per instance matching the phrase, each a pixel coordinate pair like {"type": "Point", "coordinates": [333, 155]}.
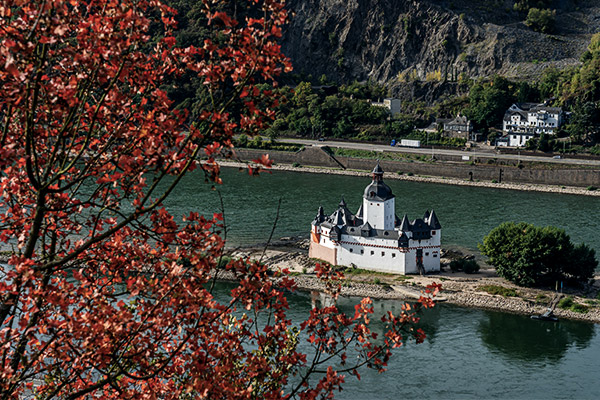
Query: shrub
{"type": "Point", "coordinates": [296, 165]}
{"type": "Point", "coordinates": [579, 308]}
{"type": "Point", "coordinates": [467, 266]}
{"type": "Point", "coordinates": [541, 20]}
{"type": "Point", "coordinates": [499, 290]}
{"type": "Point", "coordinates": [565, 303]}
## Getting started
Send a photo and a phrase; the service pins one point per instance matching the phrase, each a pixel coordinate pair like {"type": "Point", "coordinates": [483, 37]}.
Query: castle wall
{"type": "Point", "coordinates": [316, 250]}
{"type": "Point", "coordinates": [384, 255]}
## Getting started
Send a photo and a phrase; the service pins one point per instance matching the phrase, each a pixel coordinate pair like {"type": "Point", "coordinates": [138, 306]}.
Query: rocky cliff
{"type": "Point", "coordinates": [407, 41]}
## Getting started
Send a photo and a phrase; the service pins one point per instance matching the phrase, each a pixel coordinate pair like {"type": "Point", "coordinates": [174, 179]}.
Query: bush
{"type": "Point", "coordinates": [529, 255]}
{"type": "Point", "coordinates": [541, 20]}
{"type": "Point", "coordinates": [579, 308]}
{"type": "Point", "coordinates": [467, 266]}
{"type": "Point", "coordinates": [565, 303]}
{"type": "Point", "coordinates": [499, 290]}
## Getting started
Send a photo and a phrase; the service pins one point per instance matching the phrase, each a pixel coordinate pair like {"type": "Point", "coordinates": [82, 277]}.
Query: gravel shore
{"type": "Point", "coordinates": [457, 288]}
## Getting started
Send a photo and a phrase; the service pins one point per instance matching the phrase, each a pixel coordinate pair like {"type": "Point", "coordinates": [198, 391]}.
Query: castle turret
{"type": "Point", "coordinates": [379, 202]}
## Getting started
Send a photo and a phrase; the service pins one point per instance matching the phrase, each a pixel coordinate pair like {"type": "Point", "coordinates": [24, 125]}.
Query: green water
{"type": "Point", "coordinates": [466, 213]}
{"type": "Point", "coordinates": [469, 353]}
{"type": "Point", "coordinates": [475, 354]}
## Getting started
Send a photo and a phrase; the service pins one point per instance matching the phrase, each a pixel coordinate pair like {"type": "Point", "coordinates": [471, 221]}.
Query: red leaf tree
{"type": "Point", "coordinates": [105, 294]}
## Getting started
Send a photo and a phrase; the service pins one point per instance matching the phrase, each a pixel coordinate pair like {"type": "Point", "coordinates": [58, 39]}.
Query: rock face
{"type": "Point", "coordinates": [407, 41]}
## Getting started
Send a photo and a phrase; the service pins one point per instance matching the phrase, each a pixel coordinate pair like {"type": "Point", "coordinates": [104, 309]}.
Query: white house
{"type": "Point", "coordinates": [375, 238]}
{"type": "Point", "coordinates": [518, 139]}
{"type": "Point", "coordinates": [532, 118]}
{"type": "Point", "coordinates": [393, 105]}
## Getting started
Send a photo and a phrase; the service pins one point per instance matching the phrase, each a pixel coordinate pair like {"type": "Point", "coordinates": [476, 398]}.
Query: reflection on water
{"type": "Point", "coordinates": [473, 354]}
{"type": "Point", "coordinates": [522, 338]}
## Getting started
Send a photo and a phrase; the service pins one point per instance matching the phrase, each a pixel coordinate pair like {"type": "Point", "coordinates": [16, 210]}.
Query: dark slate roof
{"type": "Point", "coordinates": [378, 170]}
{"type": "Point", "coordinates": [433, 221]}
{"type": "Point", "coordinates": [366, 230]}
{"type": "Point", "coordinates": [378, 191]}
{"type": "Point", "coordinates": [359, 213]}
{"type": "Point", "coordinates": [459, 120]}
{"type": "Point", "coordinates": [551, 110]}
{"type": "Point", "coordinates": [405, 224]}
{"type": "Point", "coordinates": [320, 216]}
{"type": "Point", "coordinates": [420, 229]}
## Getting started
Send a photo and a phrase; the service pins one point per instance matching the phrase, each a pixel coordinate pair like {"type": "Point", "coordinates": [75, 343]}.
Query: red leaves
{"type": "Point", "coordinates": [114, 296]}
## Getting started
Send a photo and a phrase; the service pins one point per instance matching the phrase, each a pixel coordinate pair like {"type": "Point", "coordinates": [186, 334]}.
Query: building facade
{"type": "Point", "coordinates": [459, 127]}
{"type": "Point", "coordinates": [393, 105]}
{"type": "Point", "coordinates": [375, 238]}
{"type": "Point", "coordinates": [532, 118]}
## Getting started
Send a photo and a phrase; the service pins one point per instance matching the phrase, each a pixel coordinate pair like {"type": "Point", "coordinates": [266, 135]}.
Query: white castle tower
{"type": "Point", "coordinates": [375, 238]}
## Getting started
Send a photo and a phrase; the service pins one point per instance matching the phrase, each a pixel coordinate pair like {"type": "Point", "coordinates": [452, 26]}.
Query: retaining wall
{"type": "Point", "coordinates": [546, 174]}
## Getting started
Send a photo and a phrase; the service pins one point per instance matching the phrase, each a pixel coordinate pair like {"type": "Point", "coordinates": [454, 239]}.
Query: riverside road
{"type": "Point", "coordinates": [430, 150]}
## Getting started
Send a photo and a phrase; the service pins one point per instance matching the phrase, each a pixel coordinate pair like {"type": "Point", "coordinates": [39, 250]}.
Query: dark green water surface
{"type": "Point", "coordinates": [475, 354]}
{"type": "Point", "coordinates": [469, 353]}
{"type": "Point", "coordinates": [466, 213]}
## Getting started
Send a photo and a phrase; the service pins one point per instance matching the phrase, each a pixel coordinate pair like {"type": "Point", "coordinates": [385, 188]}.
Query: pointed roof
{"type": "Point", "coordinates": [359, 213]}
{"type": "Point", "coordinates": [338, 218]}
{"type": "Point", "coordinates": [366, 226]}
{"type": "Point", "coordinates": [433, 221]}
{"type": "Point", "coordinates": [426, 216]}
{"type": "Point", "coordinates": [405, 224]}
{"type": "Point", "coordinates": [378, 170]}
{"type": "Point", "coordinates": [320, 215]}
{"type": "Point", "coordinates": [342, 203]}
{"type": "Point", "coordinates": [378, 190]}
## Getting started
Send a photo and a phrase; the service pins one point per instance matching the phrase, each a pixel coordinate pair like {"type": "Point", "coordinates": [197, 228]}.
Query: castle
{"type": "Point", "coordinates": [375, 238]}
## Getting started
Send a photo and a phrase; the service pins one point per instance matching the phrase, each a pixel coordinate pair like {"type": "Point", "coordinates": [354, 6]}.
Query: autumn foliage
{"type": "Point", "coordinates": [105, 294]}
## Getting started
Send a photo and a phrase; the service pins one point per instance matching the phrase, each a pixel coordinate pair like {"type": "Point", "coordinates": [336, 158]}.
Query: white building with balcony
{"type": "Point", "coordinates": [532, 118]}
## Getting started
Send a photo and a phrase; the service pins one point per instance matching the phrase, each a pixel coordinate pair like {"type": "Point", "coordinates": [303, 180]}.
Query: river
{"type": "Point", "coordinates": [468, 353]}
{"type": "Point", "coordinates": [466, 213]}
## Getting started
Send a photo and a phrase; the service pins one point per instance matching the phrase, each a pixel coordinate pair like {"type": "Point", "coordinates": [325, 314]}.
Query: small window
{"type": "Point", "coordinates": [386, 233]}
{"type": "Point", "coordinates": [433, 233]}
{"type": "Point", "coordinates": [351, 251]}
{"type": "Point", "coordinates": [435, 256]}
{"type": "Point", "coordinates": [383, 254]}
{"type": "Point", "coordinates": [393, 255]}
{"type": "Point", "coordinates": [426, 254]}
{"type": "Point", "coordinates": [362, 251]}
{"type": "Point", "coordinates": [372, 252]}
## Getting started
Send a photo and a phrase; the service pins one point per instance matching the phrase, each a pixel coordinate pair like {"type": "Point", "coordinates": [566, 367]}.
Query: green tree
{"type": "Point", "coordinates": [529, 255]}
{"type": "Point", "coordinates": [541, 20]}
{"type": "Point", "coordinates": [582, 264]}
{"type": "Point", "coordinates": [488, 101]}
{"type": "Point", "coordinates": [525, 5]}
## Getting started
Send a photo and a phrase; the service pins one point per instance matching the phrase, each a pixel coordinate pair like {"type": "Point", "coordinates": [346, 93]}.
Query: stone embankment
{"type": "Point", "coordinates": [457, 288]}
{"type": "Point", "coordinates": [433, 179]}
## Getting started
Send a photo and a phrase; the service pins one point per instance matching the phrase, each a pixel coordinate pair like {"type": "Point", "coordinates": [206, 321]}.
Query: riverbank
{"type": "Point", "coordinates": [430, 179]}
{"type": "Point", "coordinates": [465, 290]}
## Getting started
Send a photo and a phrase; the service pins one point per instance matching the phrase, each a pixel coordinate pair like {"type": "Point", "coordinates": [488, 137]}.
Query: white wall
{"type": "Point", "coordinates": [381, 215]}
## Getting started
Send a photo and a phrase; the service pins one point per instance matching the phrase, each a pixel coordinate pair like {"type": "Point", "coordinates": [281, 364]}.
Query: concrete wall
{"type": "Point", "coordinates": [315, 156]}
